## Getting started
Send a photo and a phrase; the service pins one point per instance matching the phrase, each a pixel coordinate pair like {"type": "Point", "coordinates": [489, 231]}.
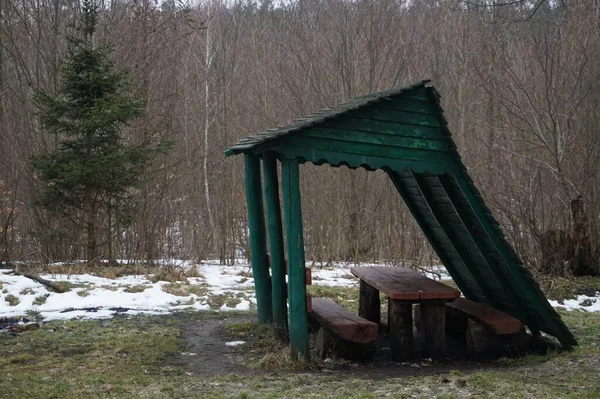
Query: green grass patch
{"type": "Point", "coordinates": [344, 296]}
{"type": "Point", "coordinates": [68, 286]}
{"type": "Point", "coordinates": [135, 288]}
{"type": "Point", "coordinates": [34, 315]}
{"type": "Point", "coordinates": [40, 300]}
{"type": "Point", "coordinates": [87, 359]}
{"type": "Point", "coordinates": [558, 288]}
{"type": "Point", "coordinates": [78, 359]}
{"type": "Point", "coordinates": [185, 289]}
{"type": "Point", "coordinates": [27, 291]}
{"type": "Point", "coordinates": [12, 300]}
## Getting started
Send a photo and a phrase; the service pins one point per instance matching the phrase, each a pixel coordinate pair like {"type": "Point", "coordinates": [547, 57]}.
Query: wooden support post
{"type": "Point", "coordinates": [401, 329]}
{"type": "Point", "coordinates": [369, 306]}
{"type": "Point", "coordinates": [278, 266]}
{"type": "Point", "coordinates": [258, 246]}
{"type": "Point", "coordinates": [433, 325]}
{"type": "Point", "coordinates": [296, 262]}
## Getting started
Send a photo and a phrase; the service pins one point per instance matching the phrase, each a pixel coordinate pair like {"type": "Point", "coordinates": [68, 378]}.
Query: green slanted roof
{"type": "Point", "coordinates": [404, 132]}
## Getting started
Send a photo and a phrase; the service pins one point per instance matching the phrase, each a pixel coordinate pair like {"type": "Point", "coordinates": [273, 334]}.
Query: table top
{"type": "Point", "coordinates": [404, 284]}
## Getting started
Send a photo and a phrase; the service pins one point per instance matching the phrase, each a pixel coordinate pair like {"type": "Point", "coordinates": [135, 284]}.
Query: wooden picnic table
{"type": "Point", "coordinates": [405, 287]}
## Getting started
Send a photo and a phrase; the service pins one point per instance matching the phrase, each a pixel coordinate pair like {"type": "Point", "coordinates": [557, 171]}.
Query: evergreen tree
{"type": "Point", "coordinates": [93, 169]}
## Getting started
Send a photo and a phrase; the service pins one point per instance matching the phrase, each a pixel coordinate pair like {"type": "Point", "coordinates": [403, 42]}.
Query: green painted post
{"type": "Point", "coordinates": [275, 244]}
{"type": "Point", "coordinates": [258, 246]}
{"type": "Point", "coordinates": [295, 245]}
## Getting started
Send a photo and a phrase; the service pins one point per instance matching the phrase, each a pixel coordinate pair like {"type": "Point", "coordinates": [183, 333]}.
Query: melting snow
{"type": "Point", "coordinates": [99, 297]}
{"type": "Point", "coordinates": [235, 343]}
{"type": "Point", "coordinates": [583, 302]}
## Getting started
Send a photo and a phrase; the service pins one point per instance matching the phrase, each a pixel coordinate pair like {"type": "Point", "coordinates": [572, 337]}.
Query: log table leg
{"type": "Point", "coordinates": [433, 326]}
{"type": "Point", "coordinates": [401, 329]}
{"type": "Point", "coordinates": [369, 306]}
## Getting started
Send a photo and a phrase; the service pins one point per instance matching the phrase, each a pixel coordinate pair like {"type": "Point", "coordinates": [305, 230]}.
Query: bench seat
{"type": "Point", "coordinates": [348, 326]}
{"type": "Point", "coordinates": [496, 321]}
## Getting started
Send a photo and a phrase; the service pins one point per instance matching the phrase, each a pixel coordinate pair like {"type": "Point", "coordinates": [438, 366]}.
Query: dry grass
{"type": "Point", "coordinates": [12, 300]}
{"type": "Point", "coordinates": [40, 300]}
{"type": "Point", "coordinates": [156, 272]}
{"type": "Point", "coordinates": [135, 288]}
{"type": "Point", "coordinates": [182, 289]}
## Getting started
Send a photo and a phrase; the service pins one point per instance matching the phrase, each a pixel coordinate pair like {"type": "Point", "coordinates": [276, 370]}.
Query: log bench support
{"type": "Point", "coordinates": [400, 323]}
{"type": "Point", "coordinates": [369, 303]}
{"type": "Point", "coordinates": [433, 321]}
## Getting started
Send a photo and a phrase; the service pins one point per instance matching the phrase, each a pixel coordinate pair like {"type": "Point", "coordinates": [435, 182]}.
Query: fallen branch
{"type": "Point", "coordinates": [51, 284]}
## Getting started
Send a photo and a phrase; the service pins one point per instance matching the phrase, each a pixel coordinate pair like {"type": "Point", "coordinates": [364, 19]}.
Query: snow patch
{"type": "Point", "coordinates": [235, 343]}
{"type": "Point", "coordinates": [583, 302]}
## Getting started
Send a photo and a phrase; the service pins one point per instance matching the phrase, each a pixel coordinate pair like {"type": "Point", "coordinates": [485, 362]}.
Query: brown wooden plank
{"type": "Point", "coordinates": [404, 284]}
{"type": "Point", "coordinates": [389, 286]}
{"type": "Point", "coordinates": [348, 326]}
{"type": "Point", "coordinates": [426, 287]}
{"type": "Point", "coordinates": [497, 321]}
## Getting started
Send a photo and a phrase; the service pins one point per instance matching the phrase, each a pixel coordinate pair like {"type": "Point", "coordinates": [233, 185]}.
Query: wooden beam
{"type": "Point", "coordinates": [258, 246]}
{"type": "Point", "coordinates": [277, 260]}
{"type": "Point", "coordinates": [400, 325]}
{"type": "Point", "coordinates": [369, 305]}
{"type": "Point", "coordinates": [296, 262]}
{"type": "Point", "coordinates": [429, 233]}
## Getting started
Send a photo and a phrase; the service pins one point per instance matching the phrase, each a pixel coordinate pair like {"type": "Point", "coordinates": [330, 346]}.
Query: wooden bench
{"type": "Point", "coordinates": [487, 332]}
{"type": "Point", "coordinates": [405, 287]}
{"type": "Point", "coordinates": [342, 332]}
{"type": "Point", "coordinates": [496, 321]}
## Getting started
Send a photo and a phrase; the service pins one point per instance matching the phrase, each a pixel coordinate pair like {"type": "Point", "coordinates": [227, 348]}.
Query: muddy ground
{"type": "Point", "coordinates": [205, 354]}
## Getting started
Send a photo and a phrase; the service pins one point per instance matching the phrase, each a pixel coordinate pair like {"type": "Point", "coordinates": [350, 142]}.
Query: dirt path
{"type": "Point", "coordinates": [206, 354]}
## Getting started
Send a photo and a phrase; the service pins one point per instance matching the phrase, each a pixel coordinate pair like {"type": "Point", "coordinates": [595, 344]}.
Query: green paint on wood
{"type": "Point", "coordinates": [373, 126]}
{"type": "Point", "coordinates": [404, 132]}
{"type": "Point", "coordinates": [472, 258]}
{"type": "Point", "coordinates": [435, 237]}
{"type": "Point", "coordinates": [377, 150]}
{"type": "Point", "coordinates": [390, 115]}
{"type": "Point", "coordinates": [410, 105]}
{"type": "Point", "coordinates": [541, 314]}
{"type": "Point", "coordinates": [334, 158]}
{"type": "Point", "coordinates": [258, 246]}
{"type": "Point", "coordinates": [296, 263]}
{"type": "Point", "coordinates": [278, 284]}
{"type": "Point", "coordinates": [386, 139]}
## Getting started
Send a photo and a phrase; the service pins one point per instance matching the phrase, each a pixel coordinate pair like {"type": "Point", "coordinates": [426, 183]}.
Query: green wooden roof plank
{"type": "Point", "coordinates": [377, 138]}
{"type": "Point", "coordinates": [407, 104]}
{"type": "Point", "coordinates": [435, 240]}
{"type": "Point", "coordinates": [509, 280]}
{"type": "Point", "coordinates": [305, 143]}
{"type": "Point", "coordinates": [335, 158]}
{"type": "Point", "coordinates": [473, 261]}
{"type": "Point", "coordinates": [525, 284]}
{"type": "Point", "coordinates": [388, 115]}
{"type": "Point", "coordinates": [331, 112]}
{"type": "Point", "coordinates": [376, 126]}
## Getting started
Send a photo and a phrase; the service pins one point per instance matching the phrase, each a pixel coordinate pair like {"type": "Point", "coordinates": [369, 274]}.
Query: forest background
{"type": "Point", "coordinates": [520, 86]}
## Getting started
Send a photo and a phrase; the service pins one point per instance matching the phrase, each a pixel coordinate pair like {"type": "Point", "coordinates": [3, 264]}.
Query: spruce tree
{"type": "Point", "coordinates": [92, 171]}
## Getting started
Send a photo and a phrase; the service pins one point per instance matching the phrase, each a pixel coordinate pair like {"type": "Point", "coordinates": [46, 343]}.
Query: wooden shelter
{"type": "Point", "coordinates": [403, 132]}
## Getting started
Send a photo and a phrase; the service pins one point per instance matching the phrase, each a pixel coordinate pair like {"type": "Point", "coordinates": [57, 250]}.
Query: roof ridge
{"type": "Point", "coordinates": [319, 116]}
